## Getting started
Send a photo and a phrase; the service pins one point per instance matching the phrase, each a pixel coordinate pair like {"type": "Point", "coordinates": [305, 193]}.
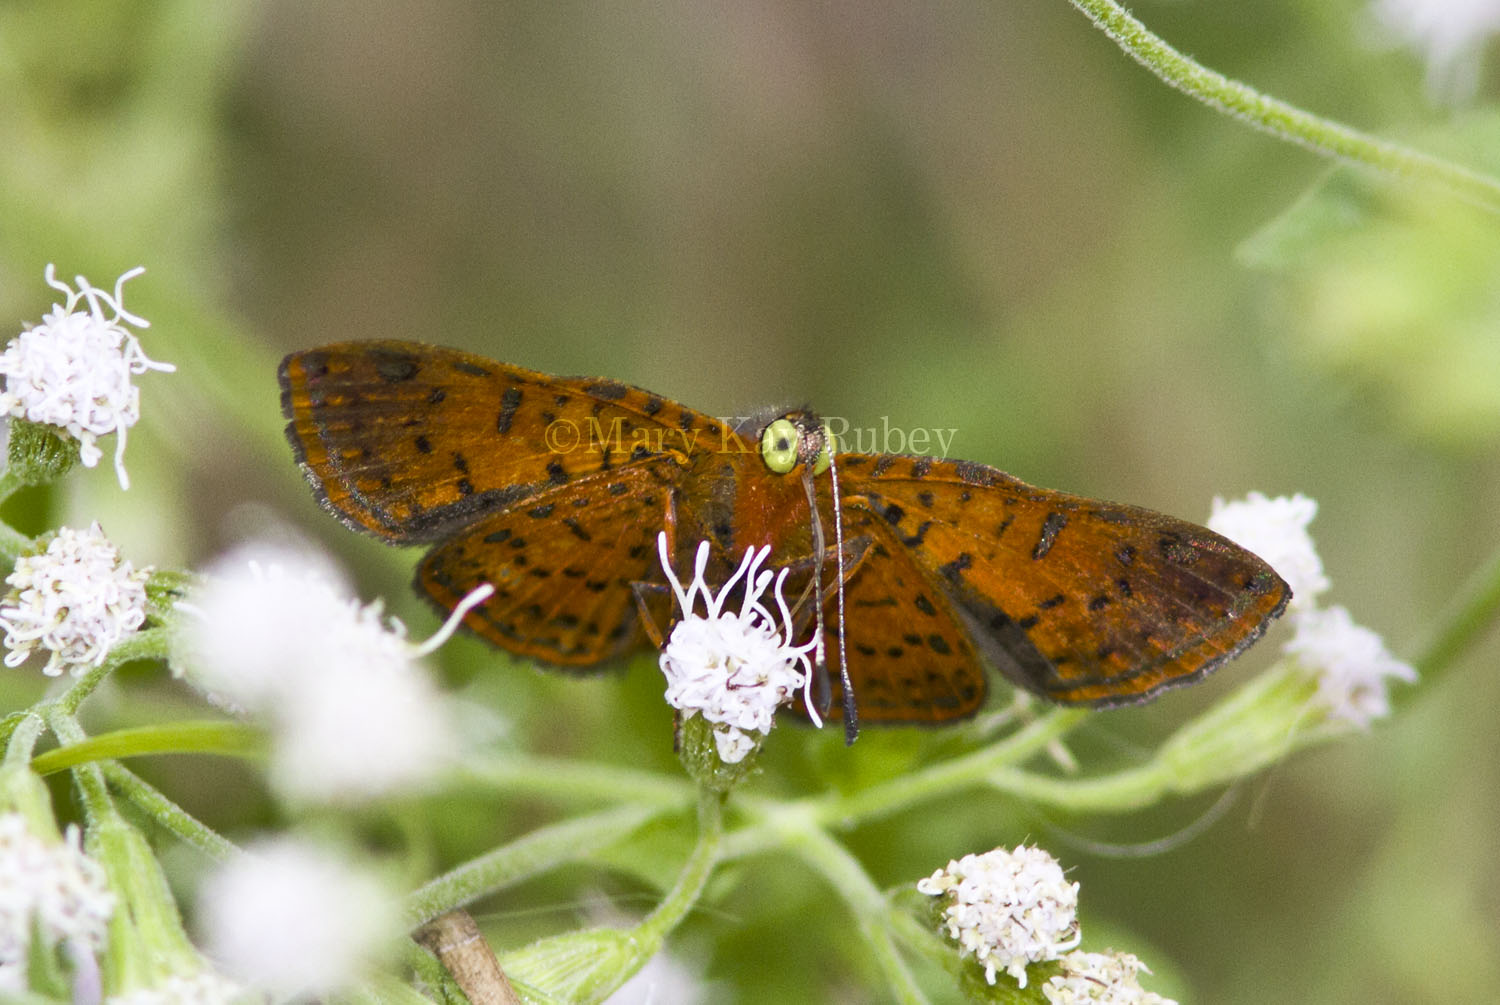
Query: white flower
{"type": "Point", "coordinates": [202, 988]}
{"type": "Point", "coordinates": [272, 633]}
{"type": "Point", "coordinates": [77, 599]}
{"type": "Point", "coordinates": [73, 370]}
{"type": "Point", "coordinates": [1450, 33]}
{"type": "Point", "coordinates": [1008, 908]}
{"type": "Point", "coordinates": [48, 888]}
{"type": "Point", "coordinates": [1101, 979]}
{"type": "Point", "coordinates": [734, 669]}
{"type": "Point", "coordinates": [294, 920]}
{"type": "Point", "coordinates": [1351, 663]}
{"type": "Point", "coordinates": [1276, 530]}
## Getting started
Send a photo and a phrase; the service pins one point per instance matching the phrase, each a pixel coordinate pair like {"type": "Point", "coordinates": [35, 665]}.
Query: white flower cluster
{"type": "Point", "coordinates": [74, 369]}
{"type": "Point", "coordinates": [294, 919]}
{"type": "Point", "coordinates": [1008, 908]}
{"type": "Point", "coordinates": [734, 669]}
{"type": "Point", "coordinates": [77, 599]}
{"type": "Point", "coordinates": [1350, 662]}
{"type": "Point", "coordinates": [1101, 979]}
{"type": "Point", "coordinates": [48, 889]}
{"type": "Point", "coordinates": [1450, 33]}
{"type": "Point", "coordinates": [202, 988]}
{"type": "Point", "coordinates": [273, 634]}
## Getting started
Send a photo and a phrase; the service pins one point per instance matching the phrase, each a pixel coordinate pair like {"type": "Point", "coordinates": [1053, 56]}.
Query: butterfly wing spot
{"type": "Point", "coordinates": [953, 571]}
{"type": "Point", "coordinates": [610, 390]}
{"type": "Point", "coordinates": [510, 401]}
{"type": "Point", "coordinates": [395, 367]}
{"type": "Point", "coordinates": [1054, 523]}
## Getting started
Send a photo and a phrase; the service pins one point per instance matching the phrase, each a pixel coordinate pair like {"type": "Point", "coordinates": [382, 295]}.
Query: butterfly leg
{"type": "Point", "coordinates": [645, 593]}
{"type": "Point", "coordinates": [854, 553]}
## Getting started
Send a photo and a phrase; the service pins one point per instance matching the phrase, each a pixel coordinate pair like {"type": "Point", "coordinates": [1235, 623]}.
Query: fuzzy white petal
{"type": "Point", "coordinates": [1351, 663]}
{"type": "Point", "coordinates": [353, 714]}
{"type": "Point", "coordinates": [294, 920]}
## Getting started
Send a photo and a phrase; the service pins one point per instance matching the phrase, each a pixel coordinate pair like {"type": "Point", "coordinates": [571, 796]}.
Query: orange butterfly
{"type": "Point", "coordinates": [553, 489]}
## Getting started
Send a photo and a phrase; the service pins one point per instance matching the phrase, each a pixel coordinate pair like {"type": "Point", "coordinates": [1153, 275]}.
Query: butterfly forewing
{"type": "Point", "coordinates": [1077, 600]}
{"type": "Point", "coordinates": [409, 442]}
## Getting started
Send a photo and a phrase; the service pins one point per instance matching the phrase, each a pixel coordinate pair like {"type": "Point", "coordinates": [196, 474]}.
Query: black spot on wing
{"type": "Point", "coordinates": [1054, 523]}
{"type": "Point", "coordinates": [509, 402]}
{"type": "Point", "coordinates": [953, 571]}
{"type": "Point", "coordinates": [394, 367]}
{"type": "Point", "coordinates": [610, 390]}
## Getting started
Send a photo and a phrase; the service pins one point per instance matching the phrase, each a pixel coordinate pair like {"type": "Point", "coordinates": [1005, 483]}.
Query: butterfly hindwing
{"type": "Point", "coordinates": [909, 660]}
{"type": "Point", "coordinates": [1081, 601]}
{"type": "Point", "coordinates": [562, 564]}
{"type": "Point", "coordinates": [409, 442]}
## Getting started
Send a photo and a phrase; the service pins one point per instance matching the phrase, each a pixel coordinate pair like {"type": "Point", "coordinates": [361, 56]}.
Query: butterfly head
{"type": "Point", "coordinates": [799, 441]}
{"type": "Point", "coordinates": [797, 438]}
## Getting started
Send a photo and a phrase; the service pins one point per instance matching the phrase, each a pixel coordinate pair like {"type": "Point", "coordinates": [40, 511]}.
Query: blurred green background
{"type": "Point", "coordinates": [963, 214]}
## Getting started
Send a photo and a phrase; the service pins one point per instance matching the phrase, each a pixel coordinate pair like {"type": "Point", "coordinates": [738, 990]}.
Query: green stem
{"type": "Point", "coordinates": [98, 809]}
{"type": "Point", "coordinates": [167, 814]}
{"type": "Point", "coordinates": [230, 739]}
{"type": "Point", "coordinates": [1472, 611]}
{"type": "Point", "coordinates": [1253, 727]}
{"type": "Point", "coordinates": [653, 929]}
{"type": "Point", "coordinates": [526, 856]}
{"type": "Point", "coordinates": [941, 779]}
{"type": "Point", "coordinates": [143, 645]}
{"type": "Point", "coordinates": [1278, 118]}
{"type": "Point", "coordinates": [146, 938]}
{"type": "Point", "coordinates": [23, 738]}
{"type": "Point", "coordinates": [800, 832]}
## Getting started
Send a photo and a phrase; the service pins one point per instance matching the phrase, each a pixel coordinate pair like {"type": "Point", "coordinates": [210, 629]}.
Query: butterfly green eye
{"type": "Point", "coordinates": [825, 454]}
{"type": "Point", "coordinates": [778, 446]}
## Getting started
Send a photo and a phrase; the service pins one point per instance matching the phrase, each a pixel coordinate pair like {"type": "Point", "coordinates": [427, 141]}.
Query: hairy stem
{"type": "Point", "coordinates": [1280, 119]}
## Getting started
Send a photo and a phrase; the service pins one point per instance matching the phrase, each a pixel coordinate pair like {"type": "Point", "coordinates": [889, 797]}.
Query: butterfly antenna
{"type": "Point", "coordinates": [851, 714]}
{"type": "Point", "coordinates": [820, 648]}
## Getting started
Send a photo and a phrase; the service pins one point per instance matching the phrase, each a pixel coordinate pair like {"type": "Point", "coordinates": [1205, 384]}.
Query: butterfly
{"type": "Point", "coordinates": [554, 489]}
